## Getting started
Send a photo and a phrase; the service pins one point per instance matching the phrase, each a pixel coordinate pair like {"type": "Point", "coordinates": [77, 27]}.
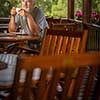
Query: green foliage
{"type": "Point", "coordinates": [55, 8]}
{"type": "Point", "coordinates": [78, 5]}
{"type": "Point", "coordinates": [3, 5]}
{"type": "Point", "coordinates": [45, 5]}
{"type": "Point", "coordinates": [96, 6]}
{"type": "Point", "coordinates": [6, 5]}
{"type": "Point", "coordinates": [59, 9]}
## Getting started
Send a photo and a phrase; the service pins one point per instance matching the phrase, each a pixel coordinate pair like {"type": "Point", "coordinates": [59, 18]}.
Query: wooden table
{"type": "Point", "coordinates": [10, 37]}
{"type": "Point", "coordinates": [20, 39]}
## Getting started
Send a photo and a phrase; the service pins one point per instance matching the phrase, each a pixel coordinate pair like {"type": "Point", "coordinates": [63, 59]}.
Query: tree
{"type": "Point", "coordinates": [55, 8]}
{"type": "Point", "coordinates": [59, 9]}
{"type": "Point", "coordinates": [45, 5]}
{"type": "Point", "coordinates": [96, 6]}
{"type": "Point", "coordinates": [6, 5]}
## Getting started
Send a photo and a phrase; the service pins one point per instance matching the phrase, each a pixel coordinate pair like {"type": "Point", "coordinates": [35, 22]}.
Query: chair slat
{"type": "Point", "coordinates": [27, 86]}
{"type": "Point", "coordinates": [43, 86]}
{"type": "Point", "coordinates": [59, 45]}
{"type": "Point", "coordinates": [53, 45]}
{"type": "Point", "coordinates": [64, 45]}
{"type": "Point", "coordinates": [54, 83]}
{"type": "Point", "coordinates": [46, 45]}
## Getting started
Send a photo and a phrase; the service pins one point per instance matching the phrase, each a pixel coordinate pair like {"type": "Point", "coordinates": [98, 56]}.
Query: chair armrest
{"type": "Point", "coordinates": [28, 50]}
{"type": "Point", "coordinates": [12, 45]}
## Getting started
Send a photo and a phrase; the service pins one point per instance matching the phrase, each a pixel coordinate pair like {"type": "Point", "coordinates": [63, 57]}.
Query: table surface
{"type": "Point", "coordinates": [18, 37]}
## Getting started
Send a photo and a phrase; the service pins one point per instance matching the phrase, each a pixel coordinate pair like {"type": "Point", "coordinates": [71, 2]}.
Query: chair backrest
{"type": "Point", "coordinates": [53, 20]}
{"type": "Point", "coordinates": [58, 21]}
{"type": "Point", "coordinates": [56, 87]}
{"type": "Point", "coordinates": [7, 74]}
{"type": "Point", "coordinates": [62, 39]}
{"type": "Point", "coordinates": [68, 26]}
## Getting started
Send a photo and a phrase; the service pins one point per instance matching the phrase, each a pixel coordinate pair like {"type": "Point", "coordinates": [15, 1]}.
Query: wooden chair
{"type": "Point", "coordinates": [69, 27]}
{"type": "Point", "coordinates": [17, 49]}
{"type": "Point", "coordinates": [7, 70]}
{"type": "Point", "coordinates": [61, 41]}
{"type": "Point", "coordinates": [58, 21]}
{"type": "Point", "coordinates": [49, 88]}
{"type": "Point", "coordinates": [56, 42]}
{"type": "Point", "coordinates": [53, 20]}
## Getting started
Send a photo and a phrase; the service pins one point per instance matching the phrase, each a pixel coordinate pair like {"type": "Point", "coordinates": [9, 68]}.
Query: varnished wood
{"type": "Point", "coordinates": [59, 41]}
{"type": "Point", "coordinates": [13, 42]}
{"type": "Point", "coordinates": [60, 60]}
{"type": "Point", "coordinates": [45, 62]}
{"type": "Point", "coordinates": [87, 9]}
{"type": "Point", "coordinates": [16, 38]}
{"type": "Point", "coordinates": [63, 49]}
{"type": "Point", "coordinates": [71, 8]}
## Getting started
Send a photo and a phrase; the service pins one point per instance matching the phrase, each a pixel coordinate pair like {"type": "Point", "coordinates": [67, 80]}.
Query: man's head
{"type": "Point", "coordinates": [27, 4]}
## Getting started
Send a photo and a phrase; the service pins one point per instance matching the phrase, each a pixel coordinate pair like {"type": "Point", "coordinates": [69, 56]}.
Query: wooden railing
{"type": "Point", "coordinates": [93, 43]}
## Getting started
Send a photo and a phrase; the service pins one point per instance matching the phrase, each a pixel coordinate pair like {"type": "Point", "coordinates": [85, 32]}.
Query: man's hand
{"type": "Point", "coordinates": [23, 12]}
{"type": "Point", "coordinates": [13, 11]}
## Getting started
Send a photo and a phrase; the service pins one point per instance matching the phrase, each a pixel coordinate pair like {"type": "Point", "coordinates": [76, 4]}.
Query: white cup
{"type": "Point", "coordinates": [17, 10]}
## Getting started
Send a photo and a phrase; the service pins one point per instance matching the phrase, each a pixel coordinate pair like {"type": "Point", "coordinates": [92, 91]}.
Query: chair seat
{"type": "Point", "coordinates": [7, 74]}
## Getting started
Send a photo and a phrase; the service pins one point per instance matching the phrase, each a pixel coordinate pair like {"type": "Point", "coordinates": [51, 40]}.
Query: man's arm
{"type": "Point", "coordinates": [12, 26]}
{"type": "Point", "coordinates": [33, 26]}
{"type": "Point", "coordinates": [35, 29]}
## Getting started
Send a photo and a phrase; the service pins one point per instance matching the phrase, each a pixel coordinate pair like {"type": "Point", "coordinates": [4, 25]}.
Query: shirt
{"type": "Point", "coordinates": [39, 18]}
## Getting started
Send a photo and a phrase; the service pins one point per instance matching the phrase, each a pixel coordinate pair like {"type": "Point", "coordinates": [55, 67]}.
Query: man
{"type": "Point", "coordinates": [32, 21]}
{"type": "Point", "coordinates": [29, 18]}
